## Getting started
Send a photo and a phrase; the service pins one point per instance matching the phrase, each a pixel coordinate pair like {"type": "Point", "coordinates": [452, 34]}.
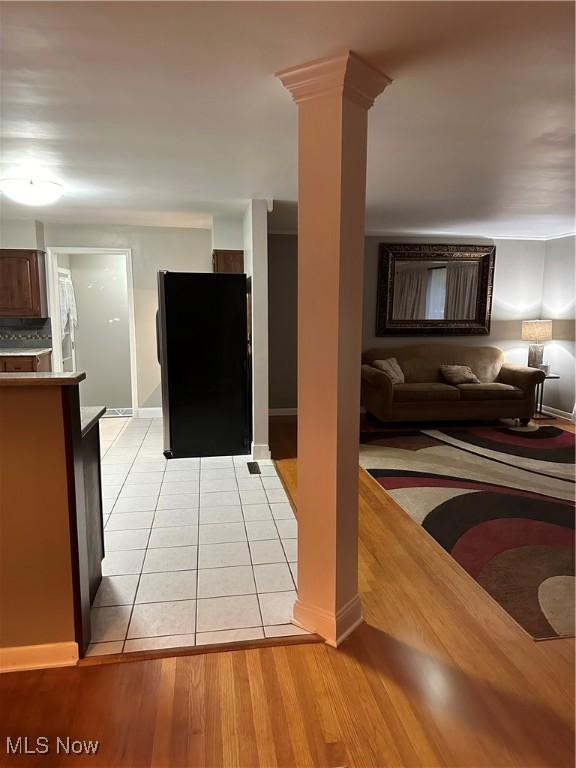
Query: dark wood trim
{"type": "Point", "coordinates": [93, 505]}
{"type": "Point", "coordinates": [77, 516]}
{"type": "Point", "coordinates": [388, 253]}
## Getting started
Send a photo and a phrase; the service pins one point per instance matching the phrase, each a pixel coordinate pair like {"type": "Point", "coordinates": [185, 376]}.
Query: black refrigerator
{"type": "Point", "coordinates": [203, 350]}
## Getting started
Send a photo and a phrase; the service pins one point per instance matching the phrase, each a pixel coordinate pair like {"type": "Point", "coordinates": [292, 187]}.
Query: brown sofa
{"type": "Point", "coordinates": [504, 391]}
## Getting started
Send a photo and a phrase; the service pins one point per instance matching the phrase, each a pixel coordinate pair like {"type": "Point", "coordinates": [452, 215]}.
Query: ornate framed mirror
{"type": "Point", "coordinates": [434, 290]}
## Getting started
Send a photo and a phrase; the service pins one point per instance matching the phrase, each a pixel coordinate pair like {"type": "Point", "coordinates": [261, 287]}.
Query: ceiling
{"type": "Point", "coordinates": [167, 113]}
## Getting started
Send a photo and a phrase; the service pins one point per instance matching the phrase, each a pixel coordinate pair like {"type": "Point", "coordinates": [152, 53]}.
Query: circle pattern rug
{"type": "Point", "coordinates": [500, 501]}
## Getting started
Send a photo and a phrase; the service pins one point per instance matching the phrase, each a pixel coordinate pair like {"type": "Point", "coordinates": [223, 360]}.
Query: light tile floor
{"type": "Point", "coordinates": [198, 551]}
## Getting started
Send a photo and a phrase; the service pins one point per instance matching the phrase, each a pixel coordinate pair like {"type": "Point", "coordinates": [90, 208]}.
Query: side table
{"type": "Point", "coordinates": [539, 414]}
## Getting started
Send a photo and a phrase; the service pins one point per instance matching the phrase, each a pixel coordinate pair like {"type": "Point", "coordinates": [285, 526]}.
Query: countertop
{"type": "Point", "coordinates": [23, 352]}
{"type": "Point", "coordinates": [48, 379]}
{"type": "Point", "coordinates": [89, 417]}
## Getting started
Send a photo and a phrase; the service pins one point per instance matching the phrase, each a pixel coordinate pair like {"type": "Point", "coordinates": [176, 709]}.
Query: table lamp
{"type": "Point", "coordinates": [536, 331]}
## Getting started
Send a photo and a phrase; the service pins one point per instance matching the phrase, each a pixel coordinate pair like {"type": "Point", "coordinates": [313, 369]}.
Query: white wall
{"type": "Point", "coordinates": [227, 233]}
{"type": "Point", "coordinates": [21, 233]}
{"type": "Point", "coordinates": [558, 304]}
{"type": "Point", "coordinates": [255, 228]}
{"type": "Point", "coordinates": [153, 249]}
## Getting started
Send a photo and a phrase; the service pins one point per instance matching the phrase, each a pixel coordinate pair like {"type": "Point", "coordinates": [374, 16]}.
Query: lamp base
{"type": "Point", "coordinates": [535, 355]}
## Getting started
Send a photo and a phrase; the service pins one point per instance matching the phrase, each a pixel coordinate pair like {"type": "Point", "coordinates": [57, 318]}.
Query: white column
{"type": "Point", "coordinates": [255, 227]}
{"type": "Point", "coordinates": [333, 97]}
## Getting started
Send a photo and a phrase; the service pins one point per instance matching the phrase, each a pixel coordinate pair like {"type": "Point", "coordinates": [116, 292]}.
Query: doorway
{"type": "Point", "coordinates": [91, 305]}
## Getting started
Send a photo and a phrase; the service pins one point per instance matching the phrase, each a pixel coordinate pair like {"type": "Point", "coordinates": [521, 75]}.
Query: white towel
{"type": "Point", "coordinates": [68, 312]}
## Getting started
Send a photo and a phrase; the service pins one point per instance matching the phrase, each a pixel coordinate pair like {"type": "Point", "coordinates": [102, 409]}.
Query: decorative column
{"type": "Point", "coordinates": [333, 97]}
{"type": "Point", "coordinates": [255, 232]}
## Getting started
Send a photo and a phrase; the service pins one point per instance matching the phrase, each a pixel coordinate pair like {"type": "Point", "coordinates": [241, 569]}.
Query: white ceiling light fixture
{"type": "Point", "coordinates": [30, 190]}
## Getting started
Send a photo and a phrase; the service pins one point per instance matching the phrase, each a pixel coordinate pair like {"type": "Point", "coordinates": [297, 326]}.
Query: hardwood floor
{"type": "Point", "coordinates": [439, 675]}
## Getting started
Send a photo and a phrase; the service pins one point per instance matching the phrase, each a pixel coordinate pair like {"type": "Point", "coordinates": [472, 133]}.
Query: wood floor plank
{"type": "Point", "coordinates": [265, 736]}
{"type": "Point", "coordinates": [162, 743]}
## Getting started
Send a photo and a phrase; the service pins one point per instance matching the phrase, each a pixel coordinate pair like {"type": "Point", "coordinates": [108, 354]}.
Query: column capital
{"type": "Point", "coordinates": [345, 73]}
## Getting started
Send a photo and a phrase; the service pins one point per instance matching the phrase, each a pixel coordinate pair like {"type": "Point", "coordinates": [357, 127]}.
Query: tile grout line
{"type": "Point", "coordinates": [197, 549]}
{"type": "Point", "coordinates": [145, 551]}
{"type": "Point", "coordinates": [207, 631]}
{"type": "Point", "coordinates": [188, 599]}
{"type": "Point", "coordinates": [164, 478]}
{"type": "Point", "coordinates": [111, 510]}
{"type": "Point", "coordinates": [250, 552]}
{"type": "Point", "coordinates": [282, 543]}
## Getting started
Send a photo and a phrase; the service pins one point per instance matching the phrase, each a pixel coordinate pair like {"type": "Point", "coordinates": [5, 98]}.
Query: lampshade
{"type": "Point", "coordinates": [536, 330]}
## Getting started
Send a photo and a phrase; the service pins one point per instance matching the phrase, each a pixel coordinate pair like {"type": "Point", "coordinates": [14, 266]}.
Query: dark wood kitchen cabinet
{"type": "Point", "coordinates": [33, 363]}
{"type": "Point", "coordinates": [228, 261]}
{"type": "Point", "coordinates": [22, 283]}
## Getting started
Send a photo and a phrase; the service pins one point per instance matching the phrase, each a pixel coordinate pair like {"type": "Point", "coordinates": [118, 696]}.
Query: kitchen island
{"type": "Point", "coordinates": [51, 538]}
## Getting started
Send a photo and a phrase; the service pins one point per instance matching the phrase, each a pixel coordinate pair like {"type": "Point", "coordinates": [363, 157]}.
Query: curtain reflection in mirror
{"type": "Point", "coordinates": [461, 291]}
{"type": "Point", "coordinates": [410, 293]}
{"type": "Point", "coordinates": [435, 291]}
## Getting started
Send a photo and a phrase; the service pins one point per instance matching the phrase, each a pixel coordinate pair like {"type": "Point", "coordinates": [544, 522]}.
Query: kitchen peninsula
{"type": "Point", "coordinates": [51, 537]}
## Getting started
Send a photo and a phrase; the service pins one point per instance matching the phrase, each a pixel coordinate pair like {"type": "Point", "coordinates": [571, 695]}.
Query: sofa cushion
{"type": "Point", "coordinates": [410, 393]}
{"type": "Point", "coordinates": [493, 391]}
{"type": "Point", "coordinates": [391, 368]}
{"type": "Point", "coordinates": [459, 374]}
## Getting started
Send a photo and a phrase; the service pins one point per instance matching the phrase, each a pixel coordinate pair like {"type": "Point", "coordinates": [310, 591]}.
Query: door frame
{"type": "Point", "coordinates": [52, 254]}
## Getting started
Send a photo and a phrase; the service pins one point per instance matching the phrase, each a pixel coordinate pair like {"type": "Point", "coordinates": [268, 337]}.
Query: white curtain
{"type": "Point", "coordinates": [410, 294]}
{"type": "Point", "coordinates": [461, 291]}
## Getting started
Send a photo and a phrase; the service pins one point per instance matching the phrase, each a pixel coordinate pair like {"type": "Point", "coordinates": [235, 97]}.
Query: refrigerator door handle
{"type": "Point", "coordinates": [158, 341]}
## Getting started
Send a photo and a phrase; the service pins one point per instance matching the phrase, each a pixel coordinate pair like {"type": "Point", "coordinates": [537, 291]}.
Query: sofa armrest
{"type": "Point", "coordinates": [377, 378]}
{"type": "Point", "coordinates": [522, 377]}
{"type": "Point", "coordinates": [377, 391]}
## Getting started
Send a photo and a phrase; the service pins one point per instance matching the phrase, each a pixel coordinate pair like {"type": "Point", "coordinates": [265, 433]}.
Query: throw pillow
{"type": "Point", "coordinates": [459, 374]}
{"type": "Point", "coordinates": [391, 368]}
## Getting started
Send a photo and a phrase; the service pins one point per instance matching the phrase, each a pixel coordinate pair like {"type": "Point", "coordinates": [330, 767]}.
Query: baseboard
{"type": "Point", "coordinates": [558, 413]}
{"type": "Point", "coordinates": [260, 451]}
{"type": "Point", "coordinates": [294, 411]}
{"type": "Point", "coordinates": [149, 413]}
{"type": "Point", "coordinates": [21, 657]}
{"type": "Point", "coordinates": [334, 628]}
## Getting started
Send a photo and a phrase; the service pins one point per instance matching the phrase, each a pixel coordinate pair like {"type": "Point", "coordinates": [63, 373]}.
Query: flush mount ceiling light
{"type": "Point", "coordinates": [31, 191]}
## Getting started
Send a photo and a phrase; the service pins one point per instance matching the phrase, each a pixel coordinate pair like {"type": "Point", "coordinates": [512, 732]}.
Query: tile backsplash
{"type": "Point", "coordinates": [25, 332]}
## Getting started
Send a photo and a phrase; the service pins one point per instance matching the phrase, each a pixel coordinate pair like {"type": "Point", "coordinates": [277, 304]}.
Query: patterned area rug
{"type": "Point", "coordinates": [500, 501]}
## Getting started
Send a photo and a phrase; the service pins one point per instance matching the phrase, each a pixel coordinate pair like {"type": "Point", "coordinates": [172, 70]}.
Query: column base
{"type": "Point", "coordinates": [333, 627]}
{"type": "Point", "coordinates": [260, 451]}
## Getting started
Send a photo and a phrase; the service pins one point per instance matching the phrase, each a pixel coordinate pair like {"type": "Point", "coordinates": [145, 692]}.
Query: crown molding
{"type": "Point", "coordinates": [346, 74]}
{"type": "Point", "coordinates": [560, 237]}
{"type": "Point", "coordinates": [412, 236]}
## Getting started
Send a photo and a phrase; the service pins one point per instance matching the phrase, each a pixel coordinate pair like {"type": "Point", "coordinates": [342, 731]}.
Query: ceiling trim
{"type": "Point", "coordinates": [380, 233]}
